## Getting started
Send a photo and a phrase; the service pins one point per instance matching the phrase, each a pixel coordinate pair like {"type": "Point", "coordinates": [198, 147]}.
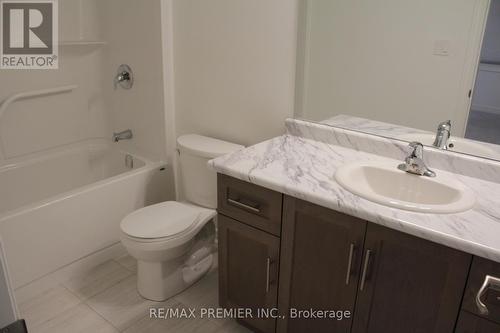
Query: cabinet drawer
{"type": "Point", "coordinates": [490, 295]}
{"type": "Point", "coordinates": [249, 203]}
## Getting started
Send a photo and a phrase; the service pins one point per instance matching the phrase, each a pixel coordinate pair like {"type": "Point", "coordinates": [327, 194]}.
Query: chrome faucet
{"type": "Point", "coordinates": [414, 163]}
{"type": "Point", "coordinates": [123, 135]}
{"type": "Point", "coordinates": [443, 135]}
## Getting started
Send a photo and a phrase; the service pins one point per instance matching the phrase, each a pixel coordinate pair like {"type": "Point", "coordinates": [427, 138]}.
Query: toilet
{"type": "Point", "coordinates": [174, 241]}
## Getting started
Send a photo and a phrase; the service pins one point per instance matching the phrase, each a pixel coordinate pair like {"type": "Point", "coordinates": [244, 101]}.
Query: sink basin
{"type": "Point", "coordinates": [389, 186]}
{"type": "Point", "coordinates": [460, 145]}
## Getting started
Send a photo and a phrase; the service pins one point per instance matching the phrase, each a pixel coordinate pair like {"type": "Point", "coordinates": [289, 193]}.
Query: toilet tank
{"type": "Point", "coordinates": [198, 182]}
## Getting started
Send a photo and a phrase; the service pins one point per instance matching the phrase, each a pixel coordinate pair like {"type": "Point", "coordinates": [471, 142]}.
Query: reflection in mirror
{"type": "Point", "coordinates": [403, 69]}
{"type": "Point", "coordinates": [452, 143]}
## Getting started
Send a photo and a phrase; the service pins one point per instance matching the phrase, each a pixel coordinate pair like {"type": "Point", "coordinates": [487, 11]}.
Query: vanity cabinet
{"type": "Point", "coordinates": [250, 204]}
{"type": "Point", "coordinates": [483, 286]}
{"type": "Point", "coordinates": [280, 251]}
{"type": "Point", "coordinates": [490, 295]}
{"type": "Point", "coordinates": [408, 282]}
{"type": "Point", "coordinates": [249, 226]}
{"type": "Point", "coordinates": [390, 281]}
{"type": "Point", "coordinates": [321, 254]}
{"type": "Point", "coordinates": [248, 271]}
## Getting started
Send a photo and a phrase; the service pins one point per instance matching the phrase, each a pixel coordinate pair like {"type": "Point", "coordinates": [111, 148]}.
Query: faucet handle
{"type": "Point", "coordinates": [418, 149]}
{"type": "Point", "coordinates": [124, 77]}
{"type": "Point", "coordinates": [414, 163]}
{"type": "Point", "coordinates": [445, 125]}
{"type": "Point", "coordinates": [121, 77]}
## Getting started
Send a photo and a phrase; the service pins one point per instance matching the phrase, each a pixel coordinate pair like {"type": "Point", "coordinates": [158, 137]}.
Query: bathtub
{"type": "Point", "coordinates": [63, 205]}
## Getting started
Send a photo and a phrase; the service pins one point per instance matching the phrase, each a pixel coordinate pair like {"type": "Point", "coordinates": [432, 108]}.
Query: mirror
{"type": "Point", "coordinates": [403, 69]}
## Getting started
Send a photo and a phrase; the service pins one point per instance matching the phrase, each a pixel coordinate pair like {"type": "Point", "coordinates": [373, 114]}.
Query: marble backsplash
{"type": "Point", "coordinates": [462, 164]}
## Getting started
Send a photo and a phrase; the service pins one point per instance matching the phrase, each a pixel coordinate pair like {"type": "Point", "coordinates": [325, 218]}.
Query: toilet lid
{"type": "Point", "coordinates": [161, 220]}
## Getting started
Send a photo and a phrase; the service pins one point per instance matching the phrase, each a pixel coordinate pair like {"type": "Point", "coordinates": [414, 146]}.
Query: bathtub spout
{"type": "Point", "coordinates": [123, 135]}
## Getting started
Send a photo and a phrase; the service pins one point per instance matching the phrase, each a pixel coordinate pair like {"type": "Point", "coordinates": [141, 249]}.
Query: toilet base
{"type": "Point", "coordinates": [159, 281]}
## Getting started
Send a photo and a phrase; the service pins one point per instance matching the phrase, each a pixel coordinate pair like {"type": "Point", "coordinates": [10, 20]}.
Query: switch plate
{"type": "Point", "coordinates": [441, 48]}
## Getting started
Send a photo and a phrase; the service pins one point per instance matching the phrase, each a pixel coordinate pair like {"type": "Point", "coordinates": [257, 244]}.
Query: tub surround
{"type": "Point", "coordinates": [302, 163]}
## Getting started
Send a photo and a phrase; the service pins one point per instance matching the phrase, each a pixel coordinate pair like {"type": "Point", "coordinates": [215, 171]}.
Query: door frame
{"type": "Point", "coordinates": [471, 66]}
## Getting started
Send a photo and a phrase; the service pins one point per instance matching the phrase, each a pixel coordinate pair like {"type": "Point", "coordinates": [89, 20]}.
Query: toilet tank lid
{"type": "Point", "coordinates": [205, 146]}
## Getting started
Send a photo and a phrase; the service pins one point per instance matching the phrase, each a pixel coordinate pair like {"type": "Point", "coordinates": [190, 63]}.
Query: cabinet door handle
{"type": "Point", "coordinates": [268, 274]}
{"type": "Point", "coordinates": [365, 269]}
{"type": "Point", "coordinates": [490, 282]}
{"type": "Point", "coordinates": [242, 205]}
{"type": "Point", "coordinates": [352, 247]}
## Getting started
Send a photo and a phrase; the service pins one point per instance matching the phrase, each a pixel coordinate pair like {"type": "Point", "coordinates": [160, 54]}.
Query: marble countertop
{"type": "Point", "coordinates": [304, 168]}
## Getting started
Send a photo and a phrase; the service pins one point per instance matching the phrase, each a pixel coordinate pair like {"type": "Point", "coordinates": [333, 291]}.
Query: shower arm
{"type": "Point", "coordinates": [33, 93]}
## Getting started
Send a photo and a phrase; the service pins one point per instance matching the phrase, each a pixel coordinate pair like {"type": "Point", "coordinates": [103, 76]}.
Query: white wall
{"type": "Point", "coordinates": [491, 44]}
{"type": "Point", "coordinates": [234, 67]}
{"type": "Point", "coordinates": [375, 59]}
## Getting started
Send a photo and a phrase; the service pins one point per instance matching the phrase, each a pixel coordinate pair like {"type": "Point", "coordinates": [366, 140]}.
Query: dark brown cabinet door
{"type": "Point", "coordinates": [481, 270]}
{"type": "Point", "coordinates": [320, 263]}
{"type": "Point", "coordinates": [408, 284]}
{"type": "Point", "coordinates": [469, 323]}
{"type": "Point", "coordinates": [248, 268]}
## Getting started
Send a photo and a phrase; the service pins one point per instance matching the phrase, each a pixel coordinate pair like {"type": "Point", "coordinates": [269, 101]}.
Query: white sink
{"type": "Point", "coordinates": [460, 145]}
{"type": "Point", "coordinates": [389, 186]}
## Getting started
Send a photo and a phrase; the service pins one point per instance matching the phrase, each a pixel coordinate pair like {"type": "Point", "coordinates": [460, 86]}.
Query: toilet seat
{"type": "Point", "coordinates": [170, 220]}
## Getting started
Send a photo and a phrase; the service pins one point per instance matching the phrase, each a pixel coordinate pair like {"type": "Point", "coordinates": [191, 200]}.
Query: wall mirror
{"type": "Point", "coordinates": [405, 69]}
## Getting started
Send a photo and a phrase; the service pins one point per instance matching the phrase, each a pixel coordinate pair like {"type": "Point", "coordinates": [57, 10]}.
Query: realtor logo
{"type": "Point", "coordinates": [28, 34]}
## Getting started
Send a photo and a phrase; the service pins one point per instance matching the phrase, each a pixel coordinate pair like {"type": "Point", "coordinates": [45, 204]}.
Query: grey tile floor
{"type": "Point", "coordinates": [105, 299]}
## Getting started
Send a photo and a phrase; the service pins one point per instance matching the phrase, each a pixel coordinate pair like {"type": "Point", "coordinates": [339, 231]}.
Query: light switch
{"type": "Point", "coordinates": [441, 48]}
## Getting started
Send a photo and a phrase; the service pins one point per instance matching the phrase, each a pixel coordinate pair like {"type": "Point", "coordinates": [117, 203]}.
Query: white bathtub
{"type": "Point", "coordinates": [61, 206]}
